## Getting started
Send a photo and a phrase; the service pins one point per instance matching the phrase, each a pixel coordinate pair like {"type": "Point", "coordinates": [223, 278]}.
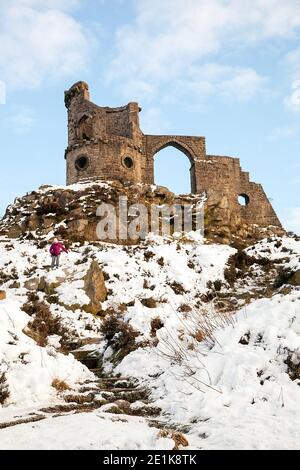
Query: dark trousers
{"type": "Point", "coordinates": [55, 261]}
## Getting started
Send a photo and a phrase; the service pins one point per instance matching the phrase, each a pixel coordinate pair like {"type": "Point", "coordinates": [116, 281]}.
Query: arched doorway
{"type": "Point", "coordinates": [173, 169]}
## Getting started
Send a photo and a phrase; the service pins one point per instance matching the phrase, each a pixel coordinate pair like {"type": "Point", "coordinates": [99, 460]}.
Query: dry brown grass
{"type": "Point", "coordinates": [60, 385]}
{"type": "Point", "coordinates": [156, 324]}
{"type": "Point", "coordinates": [44, 323]}
{"type": "Point", "coordinates": [149, 302]}
{"type": "Point", "coordinates": [181, 347]}
{"type": "Point", "coordinates": [240, 262]}
{"type": "Point", "coordinates": [178, 438]}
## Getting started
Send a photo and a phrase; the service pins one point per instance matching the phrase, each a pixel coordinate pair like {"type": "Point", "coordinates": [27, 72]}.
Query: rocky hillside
{"type": "Point", "coordinates": [70, 212]}
{"type": "Point", "coordinates": [175, 342]}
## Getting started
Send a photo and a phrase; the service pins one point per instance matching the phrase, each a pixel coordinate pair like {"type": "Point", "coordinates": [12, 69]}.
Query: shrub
{"type": "Point", "coordinates": [218, 285]}
{"type": "Point", "coordinates": [282, 278]}
{"type": "Point", "coordinates": [156, 324]}
{"type": "Point", "coordinates": [42, 244]}
{"type": "Point", "coordinates": [44, 324]}
{"type": "Point", "coordinates": [191, 264]}
{"type": "Point", "coordinates": [240, 262]}
{"type": "Point", "coordinates": [148, 254]}
{"type": "Point", "coordinates": [149, 302]}
{"type": "Point", "coordinates": [146, 285]}
{"type": "Point", "coordinates": [12, 276]}
{"type": "Point", "coordinates": [185, 308]}
{"type": "Point", "coordinates": [4, 390]}
{"type": "Point", "coordinates": [52, 299]}
{"type": "Point", "coordinates": [29, 271]}
{"type": "Point", "coordinates": [178, 288]}
{"type": "Point", "coordinates": [120, 335]}
{"type": "Point", "coordinates": [60, 385]}
{"type": "Point", "coordinates": [29, 308]}
{"type": "Point", "coordinates": [293, 364]}
{"type": "Point", "coordinates": [112, 326]}
{"type": "Point", "coordinates": [32, 296]}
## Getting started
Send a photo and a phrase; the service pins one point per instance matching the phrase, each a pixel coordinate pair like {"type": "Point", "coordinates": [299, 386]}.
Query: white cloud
{"type": "Point", "coordinates": [292, 222]}
{"type": "Point", "coordinates": [292, 67]}
{"type": "Point", "coordinates": [168, 36]}
{"type": "Point", "coordinates": [244, 84]}
{"type": "Point", "coordinates": [153, 121]}
{"type": "Point", "coordinates": [39, 42]}
{"type": "Point", "coordinates": [284, 132]}
{"type": "Point", "coordinates": [235, 83]}
{"type": "Point", "coordinates": [21, 120]}
{"type": "Point", "coordinates": [292, 102]}
{"type": "Point", "coordinates": [46, 4]}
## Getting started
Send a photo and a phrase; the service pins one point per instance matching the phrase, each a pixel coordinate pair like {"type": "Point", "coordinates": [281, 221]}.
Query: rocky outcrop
{"type": "Point", "coordinates": [223, 226]}
{"type": "Point", "coordinates": [71, 213]}
{"type": "Point", "coordinates": [94, 287]}
{"type": "Point", "coordinates": [32, 284]}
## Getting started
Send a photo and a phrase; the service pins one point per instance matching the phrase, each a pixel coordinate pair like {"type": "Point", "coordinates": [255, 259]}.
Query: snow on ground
{"type": "Point", "coordinates": [234, 394]}
{"type": "Point", "coordinates": [278, 249]}
{"type": "Point", "coordinates": [161, 264]}
{"type": "Point", "coordinates": [255, 404]}
{"type": "Point", "coordinates": [81, 186]}
{"type": "Point", "coordinates": [85, 431]}
{"type": "Point", "coordinates": [29, 368]}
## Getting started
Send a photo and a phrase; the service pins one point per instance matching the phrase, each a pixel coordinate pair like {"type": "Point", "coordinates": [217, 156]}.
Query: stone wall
{"type": "Point", "coordinates": [107, 144]}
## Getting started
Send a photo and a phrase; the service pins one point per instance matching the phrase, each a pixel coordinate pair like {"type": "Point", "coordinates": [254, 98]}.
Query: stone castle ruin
{"type": "Point", "coordinates": [107, 149]}
{"type": "Point", "coordinates": [107, 144]}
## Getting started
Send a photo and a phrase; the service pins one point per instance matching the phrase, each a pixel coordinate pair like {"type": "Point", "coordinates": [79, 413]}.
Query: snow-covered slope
{"type": "Point", "coordinates": [218, 351]}
{"type": "Point", "coordinates": [253, 402]}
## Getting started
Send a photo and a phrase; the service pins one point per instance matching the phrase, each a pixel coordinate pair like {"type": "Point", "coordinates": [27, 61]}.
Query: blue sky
{"type": "Point", "coordinates": [225, 69]}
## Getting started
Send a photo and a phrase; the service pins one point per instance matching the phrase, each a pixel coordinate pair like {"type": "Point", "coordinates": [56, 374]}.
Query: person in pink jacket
{"type": "Point", "coordinates": [55, 250]}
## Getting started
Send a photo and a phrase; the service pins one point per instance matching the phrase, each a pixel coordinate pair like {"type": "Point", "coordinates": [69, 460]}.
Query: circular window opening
{"type": "Point", "coordinates": [128, 162]}
{"type": "Point", "coordinates": [243, 199]}
{"type": "Point", "coordinates": [81, 163]}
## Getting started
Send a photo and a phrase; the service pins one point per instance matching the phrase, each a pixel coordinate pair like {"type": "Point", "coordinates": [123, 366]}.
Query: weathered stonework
{"type": "Point", "coordinates": [108, 144]}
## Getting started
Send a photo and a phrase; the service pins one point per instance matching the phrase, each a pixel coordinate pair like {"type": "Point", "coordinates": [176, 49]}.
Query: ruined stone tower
{"type": "Point", "coordinates": [108, 144]}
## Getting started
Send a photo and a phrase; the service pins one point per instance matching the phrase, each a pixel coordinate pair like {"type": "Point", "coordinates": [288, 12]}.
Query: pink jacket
{"type": "Point", "coordinates": [57, 248]}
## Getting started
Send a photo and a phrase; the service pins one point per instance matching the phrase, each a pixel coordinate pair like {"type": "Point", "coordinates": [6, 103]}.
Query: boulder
{"type": "Point", "coordinates": [295, 278]}
{"type": "Point", "coordinates": [15, 285]}
{"type": "Point", "coordinates": [78, 225]}
{"type": "Point", "coordinates": [32, 284]}
{"type": "Point", "coordinates": [49, 287]}
{"type": "Point", "coordinates": [94, 286]}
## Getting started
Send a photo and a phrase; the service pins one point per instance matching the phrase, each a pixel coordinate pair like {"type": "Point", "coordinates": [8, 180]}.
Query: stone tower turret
{"type": "Point", "coordinates": [103, 142]}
